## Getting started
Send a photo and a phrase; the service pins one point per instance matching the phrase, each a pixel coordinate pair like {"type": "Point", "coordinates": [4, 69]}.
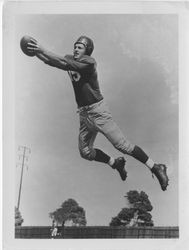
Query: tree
{"type": "Point", "coordinates": [18, 218]}
{"type": "Point", "coordinates": [138, 212]}
{"type": "Point", "coordinates": [69, 211]}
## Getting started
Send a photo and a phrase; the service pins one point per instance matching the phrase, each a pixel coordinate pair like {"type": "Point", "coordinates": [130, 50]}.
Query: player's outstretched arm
{"type": "Point", "coordinates": [45, 59]}
{"type": "Point", "coordinates": [47, 56]}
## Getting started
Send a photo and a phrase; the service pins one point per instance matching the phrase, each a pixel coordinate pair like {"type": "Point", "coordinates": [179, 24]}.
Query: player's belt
{"type": "Point", "coordinates": [89, 107]}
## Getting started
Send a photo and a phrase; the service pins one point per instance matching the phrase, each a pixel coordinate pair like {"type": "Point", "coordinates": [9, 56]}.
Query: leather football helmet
{"type": "Point", "coordinates": [87, 42]}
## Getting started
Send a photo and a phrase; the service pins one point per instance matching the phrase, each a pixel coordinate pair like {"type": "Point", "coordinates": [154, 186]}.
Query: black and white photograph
{"type": "Point", "coordinates": [93, 98]}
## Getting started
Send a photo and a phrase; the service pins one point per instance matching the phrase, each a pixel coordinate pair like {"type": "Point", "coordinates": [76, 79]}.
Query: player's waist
{"type": "Point", "coordinates": [91, 106]}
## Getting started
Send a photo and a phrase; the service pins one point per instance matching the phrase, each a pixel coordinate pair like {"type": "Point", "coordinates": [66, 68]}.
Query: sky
{"type": "Point", "coordinates": [137, 64]}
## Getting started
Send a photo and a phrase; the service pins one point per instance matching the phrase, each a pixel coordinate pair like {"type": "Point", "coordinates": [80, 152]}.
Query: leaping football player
{"type": "Point", "coordinates": [93, 111]}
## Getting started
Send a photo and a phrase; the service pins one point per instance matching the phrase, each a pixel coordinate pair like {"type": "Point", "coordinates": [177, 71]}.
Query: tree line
{"type": "Point", "coordinates": [137, 212]}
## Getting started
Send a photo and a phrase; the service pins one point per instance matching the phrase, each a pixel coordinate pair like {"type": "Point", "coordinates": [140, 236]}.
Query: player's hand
{"type": "Point", "coordinates": [35, 47]}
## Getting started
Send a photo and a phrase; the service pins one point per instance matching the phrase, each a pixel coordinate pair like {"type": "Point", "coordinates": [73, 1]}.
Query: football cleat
{"type": "Point", "coordinates": [119, 165]}
{"type": "Point", "coordinates": [159, 170]}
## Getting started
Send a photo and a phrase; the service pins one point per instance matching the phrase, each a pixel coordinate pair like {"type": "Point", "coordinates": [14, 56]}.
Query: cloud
{"type": "Point", "coordinates": [153, 37]}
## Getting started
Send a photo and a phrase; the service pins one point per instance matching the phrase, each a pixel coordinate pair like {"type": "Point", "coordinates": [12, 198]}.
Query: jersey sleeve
{"type": "Point", "coordinates": [85, 63]}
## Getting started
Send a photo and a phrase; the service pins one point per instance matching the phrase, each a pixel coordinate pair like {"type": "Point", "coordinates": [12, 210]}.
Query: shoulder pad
{"type": "Point", "coordinates": [87, 59]}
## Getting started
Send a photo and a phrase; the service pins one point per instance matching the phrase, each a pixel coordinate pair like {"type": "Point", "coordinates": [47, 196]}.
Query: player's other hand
{"type": "Point", "coordinates": [35, 46]}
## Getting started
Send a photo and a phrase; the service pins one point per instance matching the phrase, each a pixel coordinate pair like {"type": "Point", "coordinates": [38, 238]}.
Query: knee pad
{"type": "Point", "coordinates": [124, 146]}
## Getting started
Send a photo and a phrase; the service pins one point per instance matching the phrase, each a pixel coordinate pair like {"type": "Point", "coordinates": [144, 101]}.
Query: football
{"type": "Point", "coordinates": [23, 44]}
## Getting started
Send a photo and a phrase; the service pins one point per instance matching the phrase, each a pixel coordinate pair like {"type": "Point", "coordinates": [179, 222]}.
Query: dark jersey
{"type": "Point", "coordinates": [84, 79]}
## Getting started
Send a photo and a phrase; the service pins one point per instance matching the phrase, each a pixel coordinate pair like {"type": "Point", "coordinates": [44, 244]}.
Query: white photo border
{"type": "Point", "coordinates": [12, 8]}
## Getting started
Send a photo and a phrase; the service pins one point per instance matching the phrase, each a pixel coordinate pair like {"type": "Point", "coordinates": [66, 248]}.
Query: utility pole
{"type": "Point", "coordinates": [24, 157]}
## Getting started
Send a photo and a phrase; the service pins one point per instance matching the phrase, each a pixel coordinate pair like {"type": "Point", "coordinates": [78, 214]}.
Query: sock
{"type": "Point", "coordinates": [149, 163]}
{"type": "Point", "coordinates": [101, 156]}
{"type": "Point", "coordinates": [139, 154]}
{"type": "Point", "coordinates": [111, 162]}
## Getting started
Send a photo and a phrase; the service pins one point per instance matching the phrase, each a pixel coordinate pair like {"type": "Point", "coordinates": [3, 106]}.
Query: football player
{"type": "Point", "coordinates": [93, 111]}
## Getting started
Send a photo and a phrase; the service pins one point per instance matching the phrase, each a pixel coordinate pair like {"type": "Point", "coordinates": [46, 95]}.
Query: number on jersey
{"type": "Point", "coordinates": [74, 76]}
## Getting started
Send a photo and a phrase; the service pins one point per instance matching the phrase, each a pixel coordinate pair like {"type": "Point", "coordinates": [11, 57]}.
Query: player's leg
{"type": "Point", "coordinates": [86, 141]}
{"type": "Point", "coordinates": [109, 128]}
{"type": "Point", "coordinates": [123, 145]}
{"type": "Point", "coordinates": [118, 163]}
{"type": "Point", "coordinates": [87, 135]}
{"type": "Point", "coordinates": [158, 169]}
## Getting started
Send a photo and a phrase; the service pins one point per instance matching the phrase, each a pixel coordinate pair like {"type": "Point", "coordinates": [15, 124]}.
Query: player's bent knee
{"type": "Point", "coordinates": [124, 146]}
{"type": "Point", "coordinates": [87, 154]}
